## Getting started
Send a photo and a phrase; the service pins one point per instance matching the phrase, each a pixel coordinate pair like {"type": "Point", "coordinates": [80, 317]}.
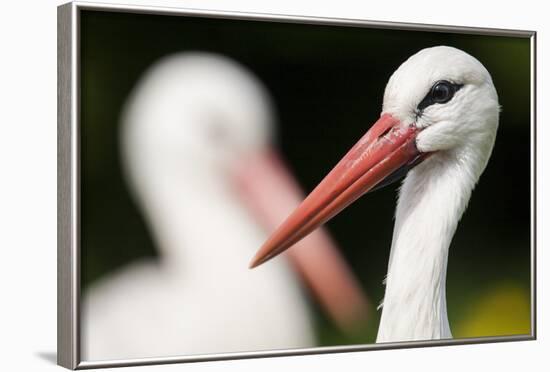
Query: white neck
{"type": "Point", "coordinates": [189, 217]}
{"type": "Point", "coordinates": [432, 199]}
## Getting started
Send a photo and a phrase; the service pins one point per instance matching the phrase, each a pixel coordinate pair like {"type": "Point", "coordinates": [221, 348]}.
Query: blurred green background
{"type": "Point", "coordinates": [327, 84]}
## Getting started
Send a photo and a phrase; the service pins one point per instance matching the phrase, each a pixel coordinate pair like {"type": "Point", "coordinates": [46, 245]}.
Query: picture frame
{"type": "Point", "coordinates": [70, 182]}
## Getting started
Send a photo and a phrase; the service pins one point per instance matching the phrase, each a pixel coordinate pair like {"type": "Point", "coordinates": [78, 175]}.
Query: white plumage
{"type": "Point", "coordinates": [189, 119]}
{"type": "Point", "coordinates": [434, 195]}
{"type": "Point", "coordinates": [438, 123]}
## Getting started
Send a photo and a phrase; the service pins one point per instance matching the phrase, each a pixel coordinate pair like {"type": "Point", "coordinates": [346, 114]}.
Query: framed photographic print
{"type": "Point", "coordinates": [238, 185]}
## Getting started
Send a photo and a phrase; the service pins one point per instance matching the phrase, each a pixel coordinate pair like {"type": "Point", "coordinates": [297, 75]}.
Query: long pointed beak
{"type": "Point", "coordinates": [387, 147]}
{"type": "Point", "coordinates": [271, 193]}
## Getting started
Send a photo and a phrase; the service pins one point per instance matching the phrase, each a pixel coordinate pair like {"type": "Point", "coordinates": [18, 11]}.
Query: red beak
{"type": "Point", "coordinates": [388, 147]}
{"type": "Point", "coordinates": [271, 193]}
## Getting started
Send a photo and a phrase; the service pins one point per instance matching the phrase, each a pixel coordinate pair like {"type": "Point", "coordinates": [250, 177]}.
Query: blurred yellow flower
{"type": "Point", "coordinates": [503, 310]}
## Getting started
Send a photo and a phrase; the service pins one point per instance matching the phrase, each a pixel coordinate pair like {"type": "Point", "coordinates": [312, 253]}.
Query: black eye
{"type": "Point", "coordinates": [441, 92]}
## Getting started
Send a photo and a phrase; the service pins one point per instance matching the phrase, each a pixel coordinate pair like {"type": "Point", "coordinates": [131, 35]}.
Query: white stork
{"type": "Point", "coordinates": [195, 142]}
{"type": "Point", "coordinates": [438, 126]}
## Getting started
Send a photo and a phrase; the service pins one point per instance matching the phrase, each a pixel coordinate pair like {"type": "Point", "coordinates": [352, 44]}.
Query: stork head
{"type": "Point", "coordinates": [440, 101]}
{"type": "Point", "coordinates": [193, 115]}
{"type": "Point", "coordinates": [448, 95]}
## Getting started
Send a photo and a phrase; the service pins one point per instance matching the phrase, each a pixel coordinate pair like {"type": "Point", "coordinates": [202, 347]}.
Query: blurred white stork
{"type": "Point", "coordinates": [195, 145]}
{"type": "Point", "coordinates": [438, 127]}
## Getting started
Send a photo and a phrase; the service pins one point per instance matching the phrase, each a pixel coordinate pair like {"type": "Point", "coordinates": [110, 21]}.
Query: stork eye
{"type": "Point", "coordinates": [441, 92]}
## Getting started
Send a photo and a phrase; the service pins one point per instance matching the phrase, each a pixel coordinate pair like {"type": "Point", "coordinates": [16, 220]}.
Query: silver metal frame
{"type": "Point", "coordinates": [68, 180]}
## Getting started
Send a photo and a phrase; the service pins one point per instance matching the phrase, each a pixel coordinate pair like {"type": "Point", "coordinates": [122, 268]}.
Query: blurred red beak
{"type": "Point", "coordinates": [388, 147]}
{"type": "Point", "coordinates": [271, 193]}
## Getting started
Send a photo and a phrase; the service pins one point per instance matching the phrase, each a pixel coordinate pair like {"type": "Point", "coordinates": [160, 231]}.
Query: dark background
{"type": "Point", "coordinates": [327, 84]}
